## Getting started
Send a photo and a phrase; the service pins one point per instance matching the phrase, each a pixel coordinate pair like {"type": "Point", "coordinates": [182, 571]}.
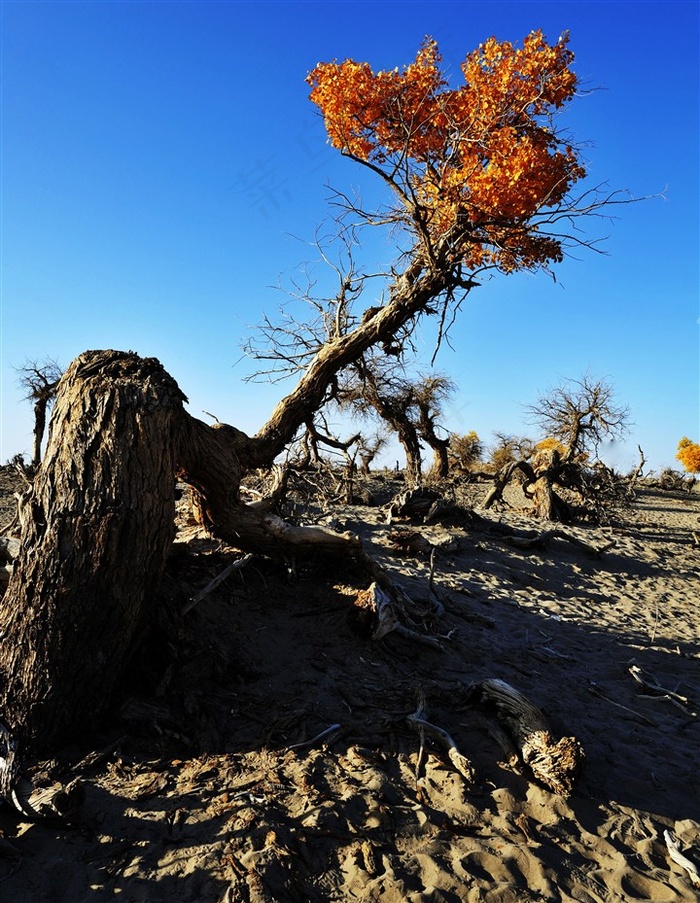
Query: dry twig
{"type": "Point", "coordinates": [329, 730]}
{"type": "Point", "coordinates": [212, 585]}
{"type": "Point", "coordinates": [419, 723]}
{"type": "Point", "coordinates": [652, 687]}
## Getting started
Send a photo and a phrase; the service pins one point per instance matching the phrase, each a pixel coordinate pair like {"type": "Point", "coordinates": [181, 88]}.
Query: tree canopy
{"type": "Point", "coordinates": [689, 455]}
{"type": "Point", "coordinates": [480, 171]}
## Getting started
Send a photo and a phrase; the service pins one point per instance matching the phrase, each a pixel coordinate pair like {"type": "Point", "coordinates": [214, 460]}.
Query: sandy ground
{"type": "Point", "coordinates": [209, 790]}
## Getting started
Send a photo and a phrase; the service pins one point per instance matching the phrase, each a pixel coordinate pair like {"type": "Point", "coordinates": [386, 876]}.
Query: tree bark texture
{"type": "Point", "coordinates": [95, 535]}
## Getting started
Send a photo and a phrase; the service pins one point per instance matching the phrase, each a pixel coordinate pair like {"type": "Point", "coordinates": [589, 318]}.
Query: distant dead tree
{"type": "Point", "coordinates": [409, 407]}
{"type": "Point", "coordinates": [431, 393]}
{"type": "Point", "coordinates": [576, 416]}
{"type": "Point", "coordinates": [39, 380]}
{"type": "Point", "coordinates": [370, 447]}
{"type": "Point", "coordinates": [580, 413]}
{"type": "Point", "coordinates": [376, 384]}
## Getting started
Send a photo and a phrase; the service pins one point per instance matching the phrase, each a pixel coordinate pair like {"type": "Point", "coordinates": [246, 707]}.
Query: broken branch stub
{"type": "Point", "coordinates": [379, 614]}
{"type": "Point", "coordinates": [418, 721]}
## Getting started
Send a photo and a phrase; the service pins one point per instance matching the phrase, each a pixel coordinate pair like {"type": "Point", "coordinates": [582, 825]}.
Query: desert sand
{"type": "Point", "coordinates": [263, 753]}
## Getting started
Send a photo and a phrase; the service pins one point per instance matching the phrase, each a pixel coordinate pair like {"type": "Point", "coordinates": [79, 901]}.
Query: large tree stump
{"type": "Point", "coordinates": [96, 530]}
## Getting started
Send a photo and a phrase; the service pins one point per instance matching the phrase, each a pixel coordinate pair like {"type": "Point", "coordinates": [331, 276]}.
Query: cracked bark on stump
{"type": "Point", "coordinates": [96, 531]}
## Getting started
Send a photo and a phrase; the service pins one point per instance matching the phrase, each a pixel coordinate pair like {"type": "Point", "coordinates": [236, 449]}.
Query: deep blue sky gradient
{"type": "Point", "coordinates": [162, 169]}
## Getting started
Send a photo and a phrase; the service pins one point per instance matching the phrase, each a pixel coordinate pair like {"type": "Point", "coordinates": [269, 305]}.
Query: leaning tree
{"type": "Point", "coordinates": [481, 179]}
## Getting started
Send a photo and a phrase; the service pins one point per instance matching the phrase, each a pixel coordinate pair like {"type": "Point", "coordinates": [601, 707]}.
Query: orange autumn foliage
{"type": "Point", "coordinates": [689, 455]}
{"type": "Point", "coordinates": [553, 443]}
{"type": "Point", "coordinates": [475, 166]}
{"type": "Point", "coordinates": [550, 443]}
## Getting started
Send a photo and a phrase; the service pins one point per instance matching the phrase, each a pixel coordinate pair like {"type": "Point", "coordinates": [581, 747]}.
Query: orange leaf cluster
{"type": "Point", "coordinates": [474, 164]}
{"type": "Point", "coordinates": [689, 455]}
{"type": "Point", "coordinates": [552, 443]}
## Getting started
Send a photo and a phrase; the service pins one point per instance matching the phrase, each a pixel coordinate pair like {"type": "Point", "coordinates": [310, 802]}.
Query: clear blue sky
{"type": "Point", "coordinates": [162, 168]}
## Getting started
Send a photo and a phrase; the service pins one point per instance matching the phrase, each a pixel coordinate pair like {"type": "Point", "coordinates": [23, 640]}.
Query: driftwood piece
{"type": "Point", "coordinates": [444, 509]}
{"type": "Point", "coordinates": [380, 615]}
{"type": "Point", "coordinates": [539, 541]}
{"type": "Point", "coordinates": [412, 542]}
{"type": "Point", "coordinates": [322, 736]}
{"type": "Point", "coordinates": [409, 542]}
{"type": "Point", "coordinates": [679, 858]}
{"type": "Point", "coordinates": [427, 505]}
{"type": "Point", "coordinates": [413, 503]}
{"type": "Point", "coordinates": [418, 721]}
{"type": "Point", "coordinates": [651, 687]}
{"type": "Point", "coordinates": [63, 802]}
{"type": "Point", "coordinates": [555, 763]}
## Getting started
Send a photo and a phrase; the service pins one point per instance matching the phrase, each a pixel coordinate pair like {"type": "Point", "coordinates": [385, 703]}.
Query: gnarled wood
{"type": "Point", "coordinates": [555, 763]}
{"type": "Point", "coordinates": [96, 530]}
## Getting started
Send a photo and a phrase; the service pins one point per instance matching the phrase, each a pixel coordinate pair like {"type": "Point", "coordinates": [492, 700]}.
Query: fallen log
{"type": "Point", "coordinates": [413, 503]}
{"type": "Point", "coordinates": [541, 540]}
{"type": "Point", "coordinates": [679, 858]}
